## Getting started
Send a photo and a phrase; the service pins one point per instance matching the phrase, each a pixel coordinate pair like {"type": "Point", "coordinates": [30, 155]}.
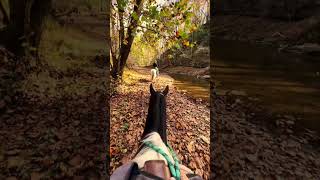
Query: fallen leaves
{"type": "Point", "coordinates": [191, 147]}
{"type": "Point", "coordinates": [36, 176]}
{"type": "Point", "coordinates": [187, 121]}
{"type": "Point", "coordinates": [47, 161]}
{"type": "Point", "coordinates": [55, 144]}
{"type": "Point", "coordinates": [76, 161]}
{"type": "Point", "coordinates": [15, 162]}
{"type": "Point", "coordinates": [205, 139]}
{"type": "Point", "coordinates": [252, 151]}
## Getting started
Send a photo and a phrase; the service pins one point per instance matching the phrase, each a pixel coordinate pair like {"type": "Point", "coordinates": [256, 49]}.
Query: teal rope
{"type": "Point", "coordinates": [174, 168]}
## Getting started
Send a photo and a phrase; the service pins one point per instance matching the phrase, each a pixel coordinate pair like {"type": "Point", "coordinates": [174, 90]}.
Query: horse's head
{"type": "Point", "coordinates": [157, 104]}
{"type": "Point", "coordinates": [158, 93]}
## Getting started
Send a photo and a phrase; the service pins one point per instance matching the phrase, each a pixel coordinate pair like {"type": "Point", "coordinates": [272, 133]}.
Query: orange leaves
{"type": "Point", "coordinates": [187, 123]}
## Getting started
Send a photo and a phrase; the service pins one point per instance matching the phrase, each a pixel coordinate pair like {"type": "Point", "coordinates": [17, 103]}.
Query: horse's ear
{"type": "Point", "coordinates": [152, 91]}
{"type": "Point", "coordinates": [165, 92]}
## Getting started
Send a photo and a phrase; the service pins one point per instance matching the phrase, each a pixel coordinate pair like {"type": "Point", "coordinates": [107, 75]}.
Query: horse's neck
{"type": "Point", "coordinates": [156, 119]}
{"type": "Point", "coordinates": [157, 110]}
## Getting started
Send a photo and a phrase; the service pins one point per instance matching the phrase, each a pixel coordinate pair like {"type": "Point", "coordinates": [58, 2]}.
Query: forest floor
{"type": "Point", "coordinates": [52, 126]}
{"type": "Point", "coordinates": [188, 121]}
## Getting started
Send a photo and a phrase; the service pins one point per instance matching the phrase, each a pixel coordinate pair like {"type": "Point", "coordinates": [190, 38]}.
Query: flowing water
{"type": "Point", "coordinates": [285, 83]}
{"type": "Point", "coordinates": [198, 88]}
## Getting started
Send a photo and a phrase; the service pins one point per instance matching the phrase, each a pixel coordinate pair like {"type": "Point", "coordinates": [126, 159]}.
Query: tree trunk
{"type": "Point", "coordinates": [126, 44]}
{"type": "Point", "coordinates": [25, 28]}
{"type": "Point", "coordinates": [4, 12]}
{"type": "Point", "coordinates": [39, 12]}
{"type": "Point", "coordinates": [15, 30]}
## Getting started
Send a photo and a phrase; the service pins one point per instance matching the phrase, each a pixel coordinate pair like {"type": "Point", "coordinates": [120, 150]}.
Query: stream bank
{"type": "Point", "coordinates": [266, 105]}
{"type": "Point", "coordinates": [246, 147]}
{"type": "Point", "coordinates": [283, 82]}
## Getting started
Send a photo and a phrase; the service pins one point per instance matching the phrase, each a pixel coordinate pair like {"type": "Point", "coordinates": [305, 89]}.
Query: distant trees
{"type": "Point", "coordinates": [170, 21]}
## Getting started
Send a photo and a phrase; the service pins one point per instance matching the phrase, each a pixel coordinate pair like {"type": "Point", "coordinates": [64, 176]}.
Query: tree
{"type": "Point", "coordinates": [125, 39]}
{"type": "Point", "coordinates": [4, 11]}
{"type": "Point", "coordinates": [23, 34]}
{"type": "Point", "coordinates": [132, 17]}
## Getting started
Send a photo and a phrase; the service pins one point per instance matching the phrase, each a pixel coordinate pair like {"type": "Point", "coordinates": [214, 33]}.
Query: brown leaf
{"type": "Point", "coordinates": [252, 157]}
{"type": "Point", "coordinates": [199, 162]}
{"type": "Point", "coordinates": [193, 165]}
{"type": "Point", "coordinates": [90, 139]}
{"type": "Point", "coordinates": [2, 104]}
{"type": "Point", "coordinates": [76, 161]}
{"type": "Point", "coordinates": [47, 161]}
{"type": "Point", "coordinates": [199, 172]}
{"type": "Point", "coordinates": [15, 162]}
{"type": "Point", "coordinates": [61, 135]}
{"type": "Point", "coordinates": [36, 176]}
{"type": "Point", "coordinates": [191, 147]}
{"type": "Point", "coordinates": [205, 139]}
{"type": "Point", "coordinates": [12, 178]}
{"type": "Point", "coordinates": [13, 152]}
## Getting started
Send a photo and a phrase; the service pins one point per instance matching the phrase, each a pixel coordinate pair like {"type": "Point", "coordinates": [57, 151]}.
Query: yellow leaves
{"type": "Point", "coordinates": [193, 28]}
{"type": "Point", "coordinates": [191, 147]}
{"type": "Point", "coordinates": [186, 43]}
{"type": "Point", "coordinates": [125, 41]}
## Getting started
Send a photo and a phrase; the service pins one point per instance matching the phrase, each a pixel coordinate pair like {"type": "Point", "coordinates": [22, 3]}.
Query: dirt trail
{"type": "Point", "coordinates": [188, 122]}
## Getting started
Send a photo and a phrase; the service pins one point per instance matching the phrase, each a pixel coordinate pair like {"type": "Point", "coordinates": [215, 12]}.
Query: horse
{"type": "Point", "coordinates": [155, 159]}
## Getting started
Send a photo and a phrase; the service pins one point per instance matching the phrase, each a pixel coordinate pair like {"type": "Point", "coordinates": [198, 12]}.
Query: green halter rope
{"type": "Point", "coordinates": [174, 168]}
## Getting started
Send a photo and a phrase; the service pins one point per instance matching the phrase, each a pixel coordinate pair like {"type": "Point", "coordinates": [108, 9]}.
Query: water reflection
{"type": "Point", "coordinates": [286, 83]}
{"type": "Point", "coordinates": [195, 87]}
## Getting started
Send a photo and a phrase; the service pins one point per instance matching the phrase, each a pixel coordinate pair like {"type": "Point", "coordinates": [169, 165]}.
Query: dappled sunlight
{"type": "Point", "coordinates": [133, 78]}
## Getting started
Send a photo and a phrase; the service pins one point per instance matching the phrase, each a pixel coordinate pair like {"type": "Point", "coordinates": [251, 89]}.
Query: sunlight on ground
{"type": "Point", "coordinates": [134, 79]}
{"type": "Point", "coordinates": [142, 76]}
{"type": "Point", "coordinates": [131, 77]}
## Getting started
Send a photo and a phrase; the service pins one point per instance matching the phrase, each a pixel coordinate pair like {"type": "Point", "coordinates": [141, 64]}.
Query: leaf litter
{"type": "Point", "coordinates": [188, 122]}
